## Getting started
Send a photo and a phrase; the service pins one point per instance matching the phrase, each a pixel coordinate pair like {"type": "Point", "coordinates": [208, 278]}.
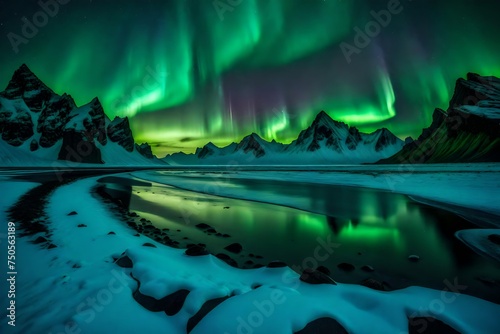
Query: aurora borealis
{"type": "Point", "coordinates": [191, 71]}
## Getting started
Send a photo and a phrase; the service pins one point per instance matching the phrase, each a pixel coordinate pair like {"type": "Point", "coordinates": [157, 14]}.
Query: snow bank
{"type": "Point", "coordinates": [477, 240]}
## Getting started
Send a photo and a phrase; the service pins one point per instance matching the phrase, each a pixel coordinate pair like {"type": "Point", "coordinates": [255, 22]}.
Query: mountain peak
{"type": "Point", "coordinates": [322, 118]}
{"type": "Point", "coordinates": [24, 68]}
{"type": "Point", "coordinates": [24, 73]}
{"type": "Point", "coordinates": [253, 135]}
{"type": "Point", "coordinates": [24, 80]}
{"type": "Point", "coordinates": [322, 115]}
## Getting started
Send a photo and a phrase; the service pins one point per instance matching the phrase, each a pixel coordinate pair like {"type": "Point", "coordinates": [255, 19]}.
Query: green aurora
{"type": "Point", "coordinates": [191, 71]}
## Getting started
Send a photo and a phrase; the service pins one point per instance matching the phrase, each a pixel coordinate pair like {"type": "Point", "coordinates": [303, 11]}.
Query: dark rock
{"type": "Point", "coordinates": [205, 309]}
{"type": "Point", "coordinates": [81, 225]}
{"type": "Point", "coordinates": [72, 213]}
{"type": "Point", "coordinates": [225, 235]}
{"type": "Point", "coordinates": [16, 126]}
{"type": "Point", "coordinates": [494, 238]}
{"type": "Point", "coordinates": [251, 144]}
{"type": "Point", "coordinates": [323, 270]}
{"type": "Point", "coordinates": [111, 233]}
{"type": "Point", "coordinates": [386, 138]}
{"type": "Point", "coordinates": [53, 118]}
{"type": "Point", "coordinates": [223, 256]}
{"type": "Point", "coordinates": [346, 266]}
{"type": "Point", "coordinates": [124, 262]}
{"type": "Point", "coordinates": [234, 248]}
{"type": "Point", "coordinates": [33, 145]}
{"type": "Point", "coordinates": [323, 326]}
{"type": "Point", "coordinates": [148, 244]}
{"type": "Point", "coordinates": [203, 226]}
{"type": "Point", "coordinates": [414, 258]}
{"type": "Point", "coordinates": [457, 134]}
{"type": "Point", "coordinates": [226, 207]}
{"type": "Point", "coordinates": [211, 230]}
{"type": "Point", "coordinates": [133, 214]}
{"type": "Point", "coordinates": [119, 132]}
{"type": "Point", "coordinates": [226, 258]}
{"type": "Point", "coordinates": [76, 147]}
{"type": "Point", "coordinates": [367, 268]}
{"type": "Point", "coordinates": [429, 325]}
{"type": "Point", "coordinates": [26, 85]}
{"type": "Point", "coordinates": [486, 280]}
{"type": "Point", "coordinates": [50, 246]}
{"type": "Point", "coordinates": [40, 240]}
{"type": "Point", "coordinates": [206, 151]}
{"type": "Point", "coordinates": [145, 150]}
{"type": "Point", "coordinates": [170, 304]}
{"type": "Point", "coordinates": [353, 138]}
{"type": "Point", "coordinates": [312, 276]}
{"type": "Point", "coordinates": [276, 264]}
{"type": "Point", "coordinates": [376, 285]}
{"type": "Point", "coordinates": [196, 250]}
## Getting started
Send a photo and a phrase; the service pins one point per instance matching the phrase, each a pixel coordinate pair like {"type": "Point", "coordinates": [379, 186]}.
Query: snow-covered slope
{"type": "Point", "coordinates": [41, 128]}
{"type": "Point", "coordinates": [326, 141]}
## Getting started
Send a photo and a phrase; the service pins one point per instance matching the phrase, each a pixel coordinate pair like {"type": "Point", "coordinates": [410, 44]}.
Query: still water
{"type": "Point", "coordinates": [359, 226]}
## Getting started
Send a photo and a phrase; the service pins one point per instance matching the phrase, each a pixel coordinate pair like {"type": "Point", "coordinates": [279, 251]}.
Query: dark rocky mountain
{"type": "Point", "coordinates": [469, 131]}
{"type": "Point", "coordinates": [325, 141]}
{"type": "Point", "coordinates": [34, 119]}
{"type": "Point", "coordinates": [119, 132]}
{"type": "Point", "coordinates": [145, 150]}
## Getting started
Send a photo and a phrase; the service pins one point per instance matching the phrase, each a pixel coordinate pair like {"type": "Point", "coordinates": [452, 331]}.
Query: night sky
{"type": "Point", "coordinates": [191, 71]}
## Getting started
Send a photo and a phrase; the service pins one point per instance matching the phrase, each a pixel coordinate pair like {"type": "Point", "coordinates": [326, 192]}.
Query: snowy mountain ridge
{"type": "Point", "coordinates": [326, 141]}
{"type": "Point", "coordinates": [468, 131]}
{"type": "Point", "coordinates": [39, 127]}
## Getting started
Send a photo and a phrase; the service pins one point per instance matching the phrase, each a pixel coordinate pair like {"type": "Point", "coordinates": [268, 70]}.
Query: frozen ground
{"type": "Point", "coordinates": [76, 286]}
